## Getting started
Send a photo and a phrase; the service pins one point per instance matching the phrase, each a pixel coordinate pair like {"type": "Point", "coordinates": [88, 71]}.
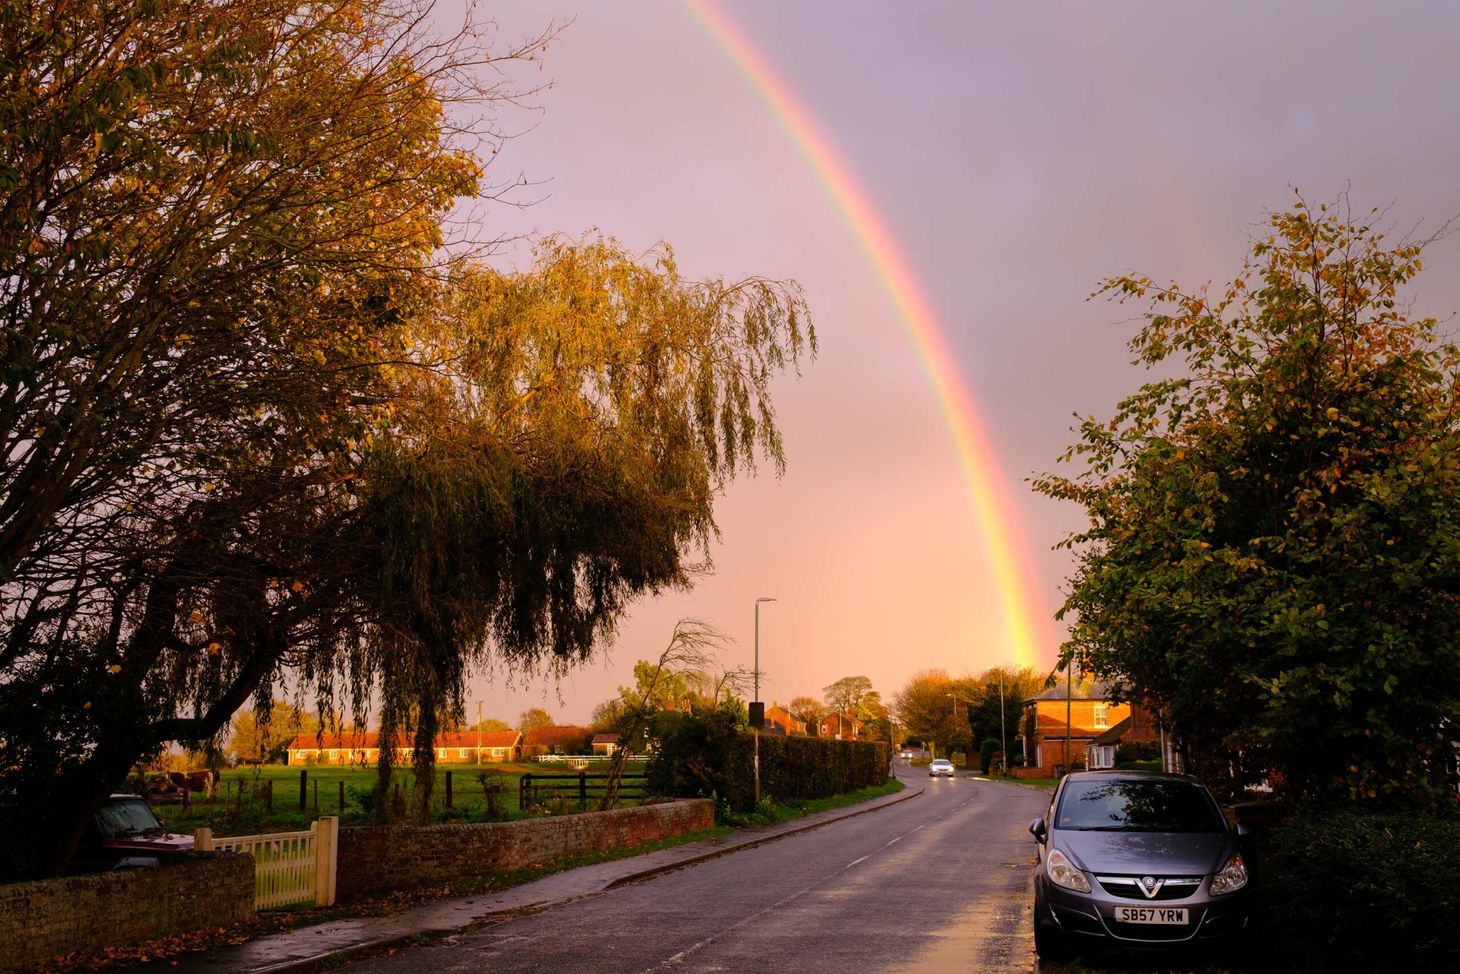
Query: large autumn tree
{"type": "Point", "coordinates": [257, 429]}
{"type": "Point", "coordinates": [1273, 557]}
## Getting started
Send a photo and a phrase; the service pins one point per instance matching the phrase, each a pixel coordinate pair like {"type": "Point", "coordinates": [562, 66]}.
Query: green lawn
{"type": "Point", "coordinates": [244, 806]}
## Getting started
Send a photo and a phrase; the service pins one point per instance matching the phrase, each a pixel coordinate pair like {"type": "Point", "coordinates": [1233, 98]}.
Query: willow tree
{"type": "Point", "coordinates": [561, 457]}
{"type": "Point", "coordinates": [255, 429]}
{"type": "Point", "coordinates": [1273, 555]}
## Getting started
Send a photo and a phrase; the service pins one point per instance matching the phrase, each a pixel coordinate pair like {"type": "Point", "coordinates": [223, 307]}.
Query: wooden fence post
{"type": "Point", "coordinates": [203, 839]}
{"type": "Point", "coordinates": [448, 789]}
{"type": "Point", "coordinates": [326, 859]}
{"type": "Point", "coordinates": [524, 787]}
{"type": "Point", "coordinates": [582, 787]}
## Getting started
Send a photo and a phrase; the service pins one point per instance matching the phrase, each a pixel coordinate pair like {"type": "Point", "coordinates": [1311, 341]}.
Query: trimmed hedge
{"type": "Point", "coordinates": [795, 768]}
{"type": "Point", "coordinates": [1349, 891]}
{"type": "Point", "coordinates": [712, 756]}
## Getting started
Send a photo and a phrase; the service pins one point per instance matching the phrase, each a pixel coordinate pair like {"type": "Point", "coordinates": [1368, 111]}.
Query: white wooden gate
{"type": "Point", "coordinates": [289, 867]}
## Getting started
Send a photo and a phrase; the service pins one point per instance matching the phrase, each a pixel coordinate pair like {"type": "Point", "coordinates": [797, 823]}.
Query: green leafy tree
{"type": "Point", "coordinates": [987, 720]}
{"type": "Point", "coordinates": [854, 694]}
{"type": "Point", "coordinates": [691, 649]}
{"type": "Point", "coordinates": [534, 717]}
{"type": "Point", "coordinates": [933, 708]}
{"type": "Point", "coordinates": [1274, 550]}
{"type": "Point", "coordinates": [265, 738]}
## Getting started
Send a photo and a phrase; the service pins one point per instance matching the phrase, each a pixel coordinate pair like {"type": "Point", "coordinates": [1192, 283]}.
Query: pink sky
{"type": "Point", "coordinates": [1017, 154]}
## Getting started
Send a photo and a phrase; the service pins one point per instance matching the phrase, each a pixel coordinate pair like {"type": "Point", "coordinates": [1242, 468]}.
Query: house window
{"type": "Point", "coordinates": [1102, 715]}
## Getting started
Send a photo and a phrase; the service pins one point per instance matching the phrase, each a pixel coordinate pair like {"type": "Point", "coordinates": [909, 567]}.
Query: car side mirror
{"type": "Point", "coordinates": [1036, 829]}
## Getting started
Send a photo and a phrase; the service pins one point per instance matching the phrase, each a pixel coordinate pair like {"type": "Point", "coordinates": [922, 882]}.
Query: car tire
{"type": "Point", "coordinates": [1050, 944]}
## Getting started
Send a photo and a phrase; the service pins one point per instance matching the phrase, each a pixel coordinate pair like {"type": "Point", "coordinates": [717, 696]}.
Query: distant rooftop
{"type": "Point", "coordinates": [1084, 690]}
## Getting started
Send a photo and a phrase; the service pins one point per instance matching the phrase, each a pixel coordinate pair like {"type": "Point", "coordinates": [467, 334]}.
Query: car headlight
{"type": "Point", "coordinates": [1232, 877]}
{"type": "Point", "coordinates": [1063, 873]}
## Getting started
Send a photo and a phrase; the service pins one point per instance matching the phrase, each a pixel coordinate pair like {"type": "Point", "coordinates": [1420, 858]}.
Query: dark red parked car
{"type": "Point", "coordinates": [125, 834]}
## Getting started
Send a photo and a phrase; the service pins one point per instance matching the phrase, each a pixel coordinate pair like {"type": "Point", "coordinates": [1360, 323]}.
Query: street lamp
{"type": "Point", "coordinates": [957, 697]}
{"type": "Point", "coordinates": [756, 704]}
{"type": "Point", "coordinates": [1003, 734]}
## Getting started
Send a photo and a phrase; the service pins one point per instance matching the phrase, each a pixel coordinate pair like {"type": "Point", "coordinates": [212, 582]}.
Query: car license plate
{"type": "Point", "coordinates": [1150, 914]}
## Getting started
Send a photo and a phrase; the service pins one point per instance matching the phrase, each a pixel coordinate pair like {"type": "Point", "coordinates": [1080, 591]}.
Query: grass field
{"type": "Point", "coordinates": [267, 798]}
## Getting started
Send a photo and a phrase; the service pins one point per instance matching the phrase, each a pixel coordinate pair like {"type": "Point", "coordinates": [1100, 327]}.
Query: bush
{"type": "Point", "coordinates": [986, 752]}
{"type": "Point", "coordinates": [1138, 751]}
{"type": "Point", "coordinates": [1361, 892]}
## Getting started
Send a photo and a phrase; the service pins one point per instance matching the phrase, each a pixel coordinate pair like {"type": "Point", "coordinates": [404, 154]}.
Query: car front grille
{"type": "Point", "coordinates": [1130, 887]}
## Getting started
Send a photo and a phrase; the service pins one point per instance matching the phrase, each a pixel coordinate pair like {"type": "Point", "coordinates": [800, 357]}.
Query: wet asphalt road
{"type": "Point", "coordinates": [939, 883]}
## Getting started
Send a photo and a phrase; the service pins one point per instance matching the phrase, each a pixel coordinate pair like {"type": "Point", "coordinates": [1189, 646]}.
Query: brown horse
{"type": "Point", "coordinates": [189, 781]}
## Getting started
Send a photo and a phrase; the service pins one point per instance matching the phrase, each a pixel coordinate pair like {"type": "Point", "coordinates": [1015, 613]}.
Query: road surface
{"type": "Point", "coordinates": [935, 884]}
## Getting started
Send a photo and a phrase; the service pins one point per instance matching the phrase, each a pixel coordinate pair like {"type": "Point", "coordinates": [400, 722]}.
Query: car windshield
{"type": "Point", "coordinates": [1136, 806]}
{"type": "Point", "coordinates": [118, 818]}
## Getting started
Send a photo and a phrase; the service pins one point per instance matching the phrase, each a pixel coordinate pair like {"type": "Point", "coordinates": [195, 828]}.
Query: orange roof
{"type": "Point", "coordinates": [355, 740]}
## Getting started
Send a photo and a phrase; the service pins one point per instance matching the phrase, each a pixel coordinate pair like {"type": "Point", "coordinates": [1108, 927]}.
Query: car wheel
{"type": "Point", "coordinates": [1049, 943]}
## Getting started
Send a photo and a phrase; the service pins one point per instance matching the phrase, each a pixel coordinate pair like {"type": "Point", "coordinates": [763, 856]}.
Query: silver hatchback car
{"type": "Point", "coordinates": [1135, 860]}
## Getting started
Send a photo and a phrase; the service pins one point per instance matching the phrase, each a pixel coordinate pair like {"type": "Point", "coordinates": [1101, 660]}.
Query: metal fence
{"type": "Point", "coordinates": [289, 867]}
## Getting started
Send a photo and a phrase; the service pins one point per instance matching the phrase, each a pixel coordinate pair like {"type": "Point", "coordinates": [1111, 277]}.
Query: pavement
{"type": "Point", "coordinates": [304, 948]}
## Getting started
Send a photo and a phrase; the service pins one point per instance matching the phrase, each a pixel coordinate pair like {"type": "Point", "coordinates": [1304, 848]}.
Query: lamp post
{"type": "Point", "coordinates": [1003, 734]}
{"type": "Point", "coordinates": [956, 697]}
{"type": "Point", "coordinates": [755, 728]}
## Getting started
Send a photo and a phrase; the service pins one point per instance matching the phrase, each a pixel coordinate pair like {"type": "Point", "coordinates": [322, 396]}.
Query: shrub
{"type": "Point", "coordinates": [1138, 751]}
{"type": "Point", "coordinates": [1360, 891]}
{"type": "Point", "coordinates": [986, 752]}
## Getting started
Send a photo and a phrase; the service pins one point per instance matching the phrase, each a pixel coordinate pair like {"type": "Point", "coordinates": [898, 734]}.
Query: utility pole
{"type": "Point", "coordinates": [479, 733]}
{"type": "Point", "coordinates": [1069, 674]}
{"type": "Point", "coordinates": [755, 728]}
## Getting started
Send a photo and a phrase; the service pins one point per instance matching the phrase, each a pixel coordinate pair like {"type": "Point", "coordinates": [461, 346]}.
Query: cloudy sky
{"type": "Point", "coordinates": [1015, 154]}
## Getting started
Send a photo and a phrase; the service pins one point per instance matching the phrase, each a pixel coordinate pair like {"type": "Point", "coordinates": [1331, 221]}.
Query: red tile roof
{"type": "Point", "coordinates": [354, 740]}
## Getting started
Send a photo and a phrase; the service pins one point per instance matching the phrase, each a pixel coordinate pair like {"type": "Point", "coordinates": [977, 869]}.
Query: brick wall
{"type": "Point", "coordinates": [42, 920]}
{"type": "Point", "coordinates": [378, 860]}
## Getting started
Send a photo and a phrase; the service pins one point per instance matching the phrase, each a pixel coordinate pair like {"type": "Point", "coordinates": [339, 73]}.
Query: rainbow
{"type": "Point", "coordinates": [1025, 619]}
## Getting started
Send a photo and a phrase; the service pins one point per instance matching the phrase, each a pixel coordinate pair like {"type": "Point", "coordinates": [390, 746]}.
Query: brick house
{"type": "Point", "coordinates": [1090, 714]}
{"type": "Point", "coordinates": [842, 726]}
{"type": "Point", "coordinates": [779, 720]}
{"type": "Point", "coordinates": [363, 747]}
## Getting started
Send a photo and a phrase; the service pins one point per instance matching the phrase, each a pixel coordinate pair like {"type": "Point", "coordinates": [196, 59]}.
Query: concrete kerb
{"type": "Point", "coordinates": [218, 962]}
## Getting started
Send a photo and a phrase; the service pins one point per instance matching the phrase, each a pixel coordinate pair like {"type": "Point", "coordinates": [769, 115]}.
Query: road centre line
{"type": "Point", "coordinates": [675, 959]}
